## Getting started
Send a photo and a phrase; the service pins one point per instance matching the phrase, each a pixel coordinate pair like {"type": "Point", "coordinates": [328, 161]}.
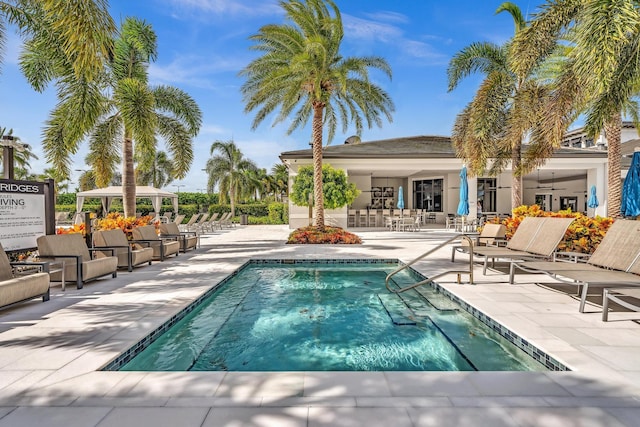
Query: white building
{"type": "Point", "coordinates": [428, 170]}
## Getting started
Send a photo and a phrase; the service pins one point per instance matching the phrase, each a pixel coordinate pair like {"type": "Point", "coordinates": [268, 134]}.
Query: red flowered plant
{"type": "Point", "coordinates": [330, 235]}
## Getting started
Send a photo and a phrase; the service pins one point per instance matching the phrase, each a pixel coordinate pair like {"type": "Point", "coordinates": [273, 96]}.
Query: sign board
{"type": "Point", "coordinates": [22, 214]}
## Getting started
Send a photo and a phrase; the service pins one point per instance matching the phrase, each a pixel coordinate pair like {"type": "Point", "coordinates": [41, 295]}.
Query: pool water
{"type": "Point", "coordinates": [328, 317]}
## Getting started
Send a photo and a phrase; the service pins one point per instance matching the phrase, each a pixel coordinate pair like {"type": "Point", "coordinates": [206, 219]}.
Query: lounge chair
{"type": "Point", "coordinates": [162, 247]}
{"type": "Point", "coordinates": [128, 256]}
{"type": "Point", "coordinates": [536, 237]}
{"type": "Point", "coordinates": [196, 225]}
{"type": "Point", "coordinates": [188, 239]}
{"type": "Point", "coordinates": [629, 298]}
{"type": "Point", "coordinates": [616, 261]}
{"type": "Point", "coordinates": [192, 220]}
{"type": "Point", "coordinates": [178, 219]}
{"type": "Point", "coordinates": [79, 265]}
{"type": "Point", "coordinates": [491, 235]}
{"type": "Point", "coordinates": [16, 288]}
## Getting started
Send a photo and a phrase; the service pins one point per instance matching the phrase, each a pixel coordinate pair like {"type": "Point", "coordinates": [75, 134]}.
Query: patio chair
{"type": "Point", "coordinates": [162, 246]}
{"type": "Point", "coordinates": [535, 238]}
{"type": "Point", "coordinates": [79, 264]}
{"type": "Point", "coordinates": [614, 263]}
{"type": "Point", "coordinates": [491, 235]}
{"type": "Point", "coordinates": [187, 239]}
{"type": "Point", "coordinates": [198, 223]}
{"type": "Point", "coordinates": [192, 220]}
{"type": "Point", "coordinates": [128, 255]}
{"type": "Point", "coordinates": [18, 288]}
{"type": "Point", "coordinates": [178, 219]}
{"type": "Point", "coordinates": [351, 218]}
{"type": "Point", "coordinates": [207, 226]}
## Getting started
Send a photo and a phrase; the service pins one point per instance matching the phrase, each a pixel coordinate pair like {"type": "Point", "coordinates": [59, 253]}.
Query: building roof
{"type": "Point", "coordinates": [423, 146]}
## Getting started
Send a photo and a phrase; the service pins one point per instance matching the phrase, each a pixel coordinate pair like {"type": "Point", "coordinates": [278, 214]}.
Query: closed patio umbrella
{"type": "Point", "coordinates": [593, 198]}
{"type": "Point", "coordinates": [463, 206]}
{"type": "Point", "coordinates": [630, 203]}
{"type": "Point", "coordinates": [401, 200]}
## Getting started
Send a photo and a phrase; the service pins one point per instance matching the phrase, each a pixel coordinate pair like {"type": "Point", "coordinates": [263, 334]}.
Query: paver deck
{"type": "Point", "coordinates": [50, 353]}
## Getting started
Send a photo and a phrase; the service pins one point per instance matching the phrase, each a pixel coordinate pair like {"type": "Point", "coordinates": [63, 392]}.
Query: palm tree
{"type": "Point", "coordinates": [227, 170]}
{"type": "Point", "coordinates": [489, 133]}
{"type": "Point", "coordinates": [280, 174]}
{"type": "Point", "coordinates": [72, 34]}
{"type": "Point", "coordinates": [158, 174]}
{"type": "Point", "coordinates": [302, 73]}
{"type": "Point", "coordinates": [21, 156]}
{"type": "Point", "coordinates": [122, 113]}
{"type": "Point", "coordinates": [599, 79]}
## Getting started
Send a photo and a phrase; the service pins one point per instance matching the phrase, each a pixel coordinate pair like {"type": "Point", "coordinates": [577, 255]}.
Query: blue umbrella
{"type": "Point", "coordinates": [593, 199]}
{"type": "Point", "coordinates": [463, 206]}
{"type": "Point", "coordinates": [400, 199]}
{"type": "Point", "coordinates": [630, 203]}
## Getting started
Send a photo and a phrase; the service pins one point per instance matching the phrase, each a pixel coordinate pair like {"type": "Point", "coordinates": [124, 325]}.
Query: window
{"type": "Point", "coordinates": [487, 194]}
{"type": "Point", "coordinates": [427, 195]}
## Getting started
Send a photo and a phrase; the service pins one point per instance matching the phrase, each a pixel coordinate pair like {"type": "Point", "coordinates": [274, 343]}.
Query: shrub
{"type": "Point", "coordinates": [278, 213]}
{"type": "Point", "coordinates": [333, 235]}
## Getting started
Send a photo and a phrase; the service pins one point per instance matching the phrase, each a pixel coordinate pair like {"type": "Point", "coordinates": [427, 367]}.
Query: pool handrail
{"type": "Point", "coordinates": [432, 278]}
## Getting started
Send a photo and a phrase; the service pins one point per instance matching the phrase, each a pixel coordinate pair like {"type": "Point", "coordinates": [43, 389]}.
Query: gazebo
{"type": "Point", "coordinates": [107, 195]}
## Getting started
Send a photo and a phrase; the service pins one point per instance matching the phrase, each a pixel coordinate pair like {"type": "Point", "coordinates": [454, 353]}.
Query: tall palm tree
{"type": "Point", "coordinates": [124, 113]}
{"type": "Point", "coordinates": [227, 170]}
{"type": "Point", "coordinates": [301, 73]}
{"type": "Point", "coordinates": [507, 108]}
{"type": "Point", "coordinates": [601, 76]}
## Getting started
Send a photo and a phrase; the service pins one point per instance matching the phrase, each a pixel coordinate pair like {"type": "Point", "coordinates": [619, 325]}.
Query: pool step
{"type": "Point", "coordinates": [397, 310]}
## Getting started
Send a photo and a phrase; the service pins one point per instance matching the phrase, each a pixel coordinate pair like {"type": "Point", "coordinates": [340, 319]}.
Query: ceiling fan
{"type": "Point", "coordinates": [545, 187]}
{"type": "Point", "coordinates": [498, 187]}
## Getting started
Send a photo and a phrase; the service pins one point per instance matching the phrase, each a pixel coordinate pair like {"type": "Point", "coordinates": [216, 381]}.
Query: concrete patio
{"type": "Point", "coordinates": [50, 353]}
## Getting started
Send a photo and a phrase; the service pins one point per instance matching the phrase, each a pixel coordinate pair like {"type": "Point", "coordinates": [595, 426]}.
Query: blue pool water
{"type": "Point", "coordinates": [328, 317]}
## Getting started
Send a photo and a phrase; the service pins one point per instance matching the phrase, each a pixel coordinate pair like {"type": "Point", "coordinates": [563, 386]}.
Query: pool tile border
{"type": "Point", "coordinates": [540, 356]}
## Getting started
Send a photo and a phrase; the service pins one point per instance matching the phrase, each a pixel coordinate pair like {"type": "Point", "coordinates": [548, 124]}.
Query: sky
{"type": "Point", "coordinates": [203, 44]}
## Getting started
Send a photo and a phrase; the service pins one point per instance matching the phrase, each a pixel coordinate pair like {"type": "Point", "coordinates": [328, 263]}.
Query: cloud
{"type": "Point", "coordinates": [375, 30]}
{"type": "Point", "coordinates": [195, 71]}
{"type": "Point", "coordinates": [224, 8]}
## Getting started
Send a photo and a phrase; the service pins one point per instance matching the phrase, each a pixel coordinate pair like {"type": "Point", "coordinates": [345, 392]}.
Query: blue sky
{"type": "Point", "coordinates": [204, 43]}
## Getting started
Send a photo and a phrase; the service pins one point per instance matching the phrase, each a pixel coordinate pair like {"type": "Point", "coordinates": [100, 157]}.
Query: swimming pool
{"type": "Point", "coordinates": [327, 316]}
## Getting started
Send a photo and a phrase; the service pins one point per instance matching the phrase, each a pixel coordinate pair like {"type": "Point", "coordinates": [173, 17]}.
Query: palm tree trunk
{"type": "Point", "coordinates": [516, 180]}
{"type": "Point", "coordinates": [316, 138]}
{"type": "Point", "coordinates": [612, 129]}
{"type": "Point", "coordinates": [128, 178]}
{"type": "Point", "coordinates": [232, 199]}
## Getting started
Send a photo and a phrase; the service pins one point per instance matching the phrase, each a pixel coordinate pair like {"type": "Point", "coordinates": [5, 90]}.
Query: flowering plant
{"type": "Point", "coordinates": [333, 235]}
